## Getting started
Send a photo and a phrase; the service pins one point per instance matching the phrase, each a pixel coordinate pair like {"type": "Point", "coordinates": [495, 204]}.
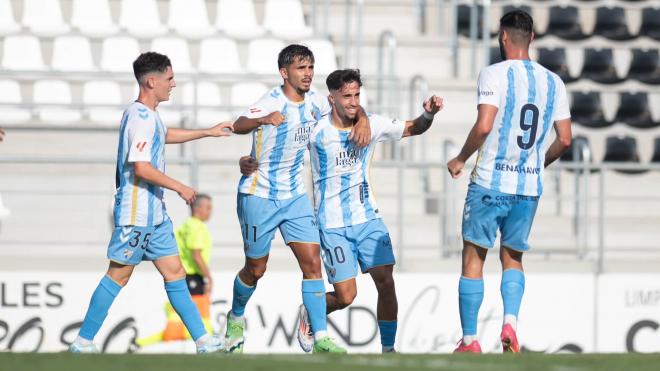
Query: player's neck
{"type": "Point", "coordinates": [340, 123]}
{"type": "Point", "coordinates": [517, 54]}
{"type": "Point", "coordinates": [149, 101]}
{"type": "Point", "coordinates": [292, 94]}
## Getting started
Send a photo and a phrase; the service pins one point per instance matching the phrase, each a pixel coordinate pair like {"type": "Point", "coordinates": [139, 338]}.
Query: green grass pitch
{"type": "Point", "coordinates": [486, 362]}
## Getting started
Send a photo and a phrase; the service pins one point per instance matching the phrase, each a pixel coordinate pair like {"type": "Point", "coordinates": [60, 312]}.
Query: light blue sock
{"type": "Point", "coordinates": [313, 295]}
{"type": "Point", "coordinates": [102, 299]}
{"type": "Point", "coordinates": [177, 292]}
{"type": "Point", "coordinates": [387, 333]}
{"type": "Point", "coordinates": [512, 289]}
{"type": "Point", "coordinates": [242, 294]}
{"type": "Point", "coordinates": [470, 296]}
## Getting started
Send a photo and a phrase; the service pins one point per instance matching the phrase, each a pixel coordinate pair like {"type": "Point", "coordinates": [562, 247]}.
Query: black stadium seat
{"type": "Point", "coordinates": [622, 149]}
{"type": "Point", "coordinates": [495, 56]}
{"type": "Point", "coordinates": [464, 20]}
{"type": "Point", "coordinates": [599, 66]}
{"type": "Point", "coordinates": [565, 23]}
{"type": "Point", "coordinates": [611, 24]}
{"type": "Point", "coordinates": [634, 110]}
{"type": "Point", "coordinates": [656, 150]}
{"type": "Point", "coordinates": [555, 60]}
{"type": "Point", "coordinates": [573, 153]}
{"type": "Point", "coordinates": [587, 110]}
{"type": "Point", "coordinates": [650, 23]}
{"type": "Point", "coordinates": [645, 66]}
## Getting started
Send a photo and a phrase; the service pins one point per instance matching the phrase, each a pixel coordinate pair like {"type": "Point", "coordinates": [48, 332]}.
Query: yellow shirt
{"type": "Point", "coordinates": [193, 235]}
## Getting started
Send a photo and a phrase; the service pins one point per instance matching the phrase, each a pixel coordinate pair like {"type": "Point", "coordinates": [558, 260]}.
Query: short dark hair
{"type": "Point", "coordinates": [198, 200]}
{"type": "Point", "coordinates": [150, 62]}
{"type": "Point", "coordinates": [519, 24]}
{"type": "Point", "coordinates": [292, 52]}
{"type": "Point", "coordinates": [337, 79]}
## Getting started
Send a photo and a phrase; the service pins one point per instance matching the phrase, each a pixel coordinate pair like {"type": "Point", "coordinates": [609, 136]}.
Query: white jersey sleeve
{"type": "Point", "coordinates": [266, 105]}
{"type": "Point", "coordinates": [140, 137]}
{"type": "Point", "coordinates": [385, 129]}
{"type": "Point", "coordinates": [562, 110]}
{"type": "Point", "coordinates": [488, 91]}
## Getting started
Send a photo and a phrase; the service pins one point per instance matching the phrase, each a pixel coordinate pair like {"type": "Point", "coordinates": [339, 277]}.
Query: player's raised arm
{"type": "Point", "coordinates": [361, 132]}
{"type": "Point", "coordinates": [561, 143]}
{"type": "Point", "coordinates": [245, 125]}
{"type": "Point", "coordinates": [422, 123]}
{"type": "Point", "coordinates": [175, 135]}
{"type": "Point", "coordinates": [475, 139]}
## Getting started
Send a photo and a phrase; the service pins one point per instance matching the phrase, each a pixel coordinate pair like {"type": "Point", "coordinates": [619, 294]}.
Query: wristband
{"type": "Point", "coordinates": [428, 116]}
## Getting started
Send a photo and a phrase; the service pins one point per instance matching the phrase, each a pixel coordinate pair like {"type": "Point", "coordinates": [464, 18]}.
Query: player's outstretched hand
{"type": "Point", "coordinates": [274, 118]}
{"type": "Point", "coordinates": [455, 167]}
{"type": "Point", "coordinates": [434, 104]}
{"type": "Point", "coordinates": [361, 133]}
{"type": "Point", "coordinates": [188, 194]}
{"type": "Point", "coordinates": [223, 129]}
{"type": "Point", "coordinates": [248, 165]}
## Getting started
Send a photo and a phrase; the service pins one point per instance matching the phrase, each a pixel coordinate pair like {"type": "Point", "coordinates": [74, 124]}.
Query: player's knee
{"type": "Point", "coordinates": [312, 267]}
{"type": "Point", "coordinates": [385, 283]}
{"type": "Point", "coordinates": [345, 298]}
{"type": "Point", "coordinates": [256, 271]}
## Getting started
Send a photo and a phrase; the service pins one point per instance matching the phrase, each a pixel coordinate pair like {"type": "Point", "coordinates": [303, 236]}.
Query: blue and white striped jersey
{"type": "Point", "coordinates": [280, 150]}
{"type": "Point", "coordinates": [529, 99]}
{"type": "Point", "coordinates": [342, 192]}
{"type": "Point", "coordinates": [141, 138]}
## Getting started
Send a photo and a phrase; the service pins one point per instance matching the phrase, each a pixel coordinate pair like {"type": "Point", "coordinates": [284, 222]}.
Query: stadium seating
{"type": "Point", "coordinates": [44, 17]}
{"type": "Point", "coordinates": [4, 211]}
{"type": "Point", "coordinates": [208, 96]}
{"type": "Point", "coordinates": [189, 18]}
{"type": "Point", "coordinates": [140, 18]}
{"type": "Point", "coordinates": [8, 24]}
{"type": "Point", "coordinates": [11, 94]}
{"type": "Point", "coordinates": [611, 23]}
{"type": "Point", "coordinates": [244, 94]}
{"type": "Point", "coordinates": [599, 66]}
{"type": "Point", "coordinates": [464, 20]}
{"type": "Point", "coordinates": [650, 23]}
{"type": "Point", "coordinates": [177, 50]}
{"type": "Point", "coordinates": [555, 60]}
{"type": "Point", "coordinates": [634, 110]}
{"type": "Point", "coordinates": [586, 110]}
{"type": "Point", "coordinates": [565, 23]}
{"type": "Point", "coordinates": [72, 53]}
{"type": "Point", "coordinates": [95, 95]}
{"type": "Point", "coordinates": [262, 55]}
{"type": "Point", "coordinates": [656, 151]}
{"type": "Point", "coordinates": [237, 19]}
{"type": "Point", "coordinates": [574, 154]}
{"type": "Point", "coordinates": [284, 18]}
{"type": "Point", "coordinates": [622, 149]}
{"type": "Point", "coordinates": [55, 96]}
{"type": "Point", "coordinates": [93, 18]}
{"type": "Point", "coordinates": [324, 55]}
{"type": "Point", "coordinates": [118, 54]}
{"type": "Point", "coordinates": [645, 66]}
{"type": "Point", "coordinates": [219, 55]}
{"type": "Point", "coordinates": [22, 53]}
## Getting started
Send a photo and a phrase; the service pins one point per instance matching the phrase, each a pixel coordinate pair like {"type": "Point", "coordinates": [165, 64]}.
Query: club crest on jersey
{"type": "Point", "coordinates": [128, 254]}
{"type": "Point", "coordinates": [140, 146]}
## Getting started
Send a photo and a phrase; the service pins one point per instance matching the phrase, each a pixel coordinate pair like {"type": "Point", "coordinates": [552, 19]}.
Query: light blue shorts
{"type": "Point", "coordinates": [487, 211]}
{"type": "Point", "coordinates": [367, 244]}
{"type": "Point", "coordinates": [130, 244]}
{"type": "Point", "coordinates": [260, 217]}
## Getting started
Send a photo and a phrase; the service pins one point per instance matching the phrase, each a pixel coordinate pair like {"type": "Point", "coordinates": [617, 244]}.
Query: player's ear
{"type": "Point", "coordinates": [150, 83]}
{"type": "Point", "coordinates": [331, 99]}
{"type": "Point", "coordinates": [284, 73]}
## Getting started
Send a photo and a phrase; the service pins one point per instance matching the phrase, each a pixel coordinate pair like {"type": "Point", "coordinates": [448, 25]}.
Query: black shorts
{"type": "Point", "coordinates": [195, 284]}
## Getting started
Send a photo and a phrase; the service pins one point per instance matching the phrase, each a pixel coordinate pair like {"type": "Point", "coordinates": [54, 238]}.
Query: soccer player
{"type": "Point", "coordinates": [351, 228]}
{"type": "Point", "coordinates": [143, 230]}
{"type": "Point", "coordinates": [519, 102]}
{"type": "Point", "coordinates": [194, 242]}
{"type": "Point", "coordinates": [274, 196]}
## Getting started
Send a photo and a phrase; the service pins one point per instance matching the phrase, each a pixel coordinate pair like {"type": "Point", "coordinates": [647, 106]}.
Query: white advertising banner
{"type": "Point", "coordinates": [43, 311]}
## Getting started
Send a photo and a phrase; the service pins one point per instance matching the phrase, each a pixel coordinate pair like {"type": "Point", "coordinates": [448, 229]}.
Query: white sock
{"type": "Point", "coordinates": [468, 339]}
{"type": "Point", "coordinates": [235, 317]}
{"type": "Point", "coordinates": [82, 341]}
{"type": "Point", "coordinates": [318, 335]}
{"type": "Point", "coordinates": [202, 340]}
{"type": "Point", "coordinates": [511, 320]}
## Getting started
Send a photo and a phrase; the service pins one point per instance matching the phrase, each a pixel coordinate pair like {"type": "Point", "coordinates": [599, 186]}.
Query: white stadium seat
{"type": "Point", "coordinates": [207, 94]}
{"type": "Point", "coordinates": [177, 50]}
{"type": "Point", "coordinates": [22, 53]}
{"type": "Point", "coordinates": [238, 19]}
{"type": "Point", "coordinates": [54, 92]}
{"type": "Point", "coordinates": [140, 18]}
{"type": "Point", "coordinates": [4, 211]}
{"type": "Point", "coordinates": [72, 53]}
{"type": "Point", "coordinates": [219, 55]}
{"type": "Point", "coordinates": [189, 18]}
{"type": "Point", "coordinates": [325, 60]}
{"type": "Point", "coordinates": [8, 24]}
{"type": "Point", "coordinates": [102, 93]}
{"type": "Point", "coordinates": [118, 54]}
{"type": "Point", "coordinates": [244, 94]}
{"type": "Point", "coordinates": [11, 94]}
{"type": "Point", "coordinates": [44, 17]}
{"type": "Point", "coordinates": [262, 55]}
{"type": "Point", "coordinates": [285, 18]}
{"type": "Point", "coordinates": [93, 18]}
{"type": "Point", "coordinates": [171, 117]}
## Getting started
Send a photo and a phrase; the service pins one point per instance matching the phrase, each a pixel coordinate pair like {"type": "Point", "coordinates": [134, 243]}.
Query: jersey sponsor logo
{"type": "Point", "coordinates": [140, 146]}
{"type": "Point", "coordinates": [517, 169]}
{"type": "Point", "coordinates": [348, 158]}
{"type": "Point", "coordinates": [485, 93]}
{"type": "Point", "coordinates": [255, 110]}
{"type": "Point", "coordinates": [364, 192]}
{"type": "Point", "coordinates": [302, 135]}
